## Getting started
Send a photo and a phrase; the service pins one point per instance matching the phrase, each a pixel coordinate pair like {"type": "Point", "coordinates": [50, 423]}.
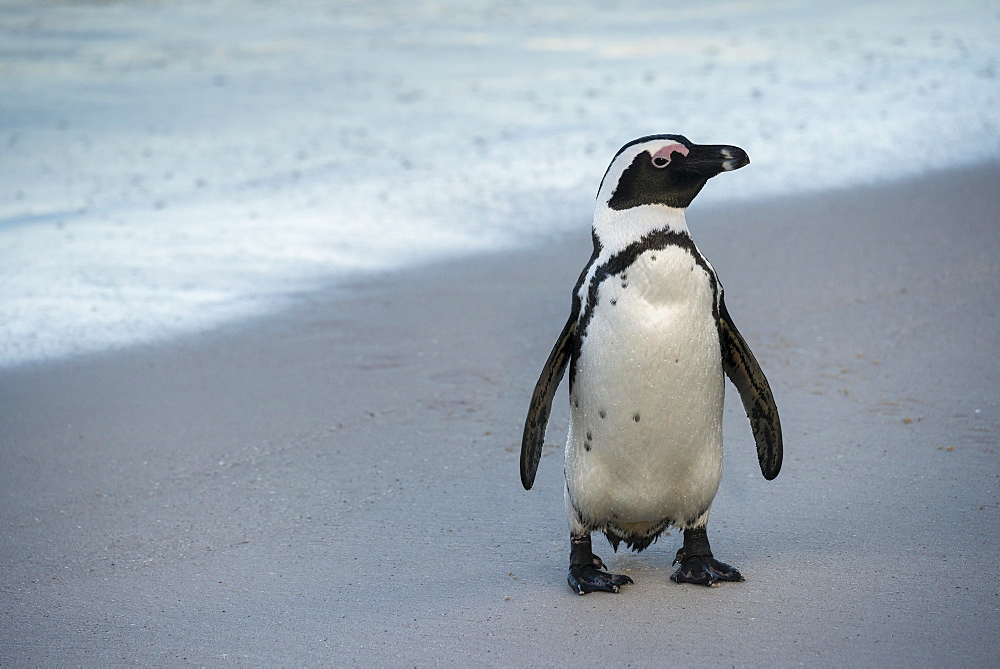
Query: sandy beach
{"type": "Point", "coordinates": [339, 485]}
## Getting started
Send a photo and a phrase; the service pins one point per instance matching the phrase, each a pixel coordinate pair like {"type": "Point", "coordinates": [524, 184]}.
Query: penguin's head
{"type": "Point", "coordinates": [664, 170]}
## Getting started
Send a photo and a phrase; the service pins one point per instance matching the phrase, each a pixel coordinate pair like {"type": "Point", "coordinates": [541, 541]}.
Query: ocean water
{"type": "Point", "coordinates": [169, 167]}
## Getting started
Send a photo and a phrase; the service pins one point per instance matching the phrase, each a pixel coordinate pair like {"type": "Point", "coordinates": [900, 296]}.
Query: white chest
{"type": "Point", "coordinates": [661, 304]}
{"type": "Point", "coordinates": [645, 438]}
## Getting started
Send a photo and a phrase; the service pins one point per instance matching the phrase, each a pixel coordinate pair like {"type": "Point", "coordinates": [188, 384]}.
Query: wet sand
{"type": "Point", "coordinates": [339, 485]}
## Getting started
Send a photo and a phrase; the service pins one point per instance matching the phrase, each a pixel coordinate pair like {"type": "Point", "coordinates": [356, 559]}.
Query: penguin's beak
{"type": "Point", "coordinates": [711, 160]}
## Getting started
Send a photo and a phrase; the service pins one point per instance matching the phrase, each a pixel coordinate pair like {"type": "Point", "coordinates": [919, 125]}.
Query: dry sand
{"type": "Point", "coordinates": [340, 485]}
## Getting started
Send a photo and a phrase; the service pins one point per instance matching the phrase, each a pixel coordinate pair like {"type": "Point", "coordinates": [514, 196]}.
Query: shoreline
{"type": "Point", "coordinates": [339, 483]}
{"type": "Point", "coordinates": [288, 302]}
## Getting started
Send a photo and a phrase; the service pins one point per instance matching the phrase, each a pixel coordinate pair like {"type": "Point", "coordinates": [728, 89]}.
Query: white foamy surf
{"type": "Point", "coordinates": [165, 168]}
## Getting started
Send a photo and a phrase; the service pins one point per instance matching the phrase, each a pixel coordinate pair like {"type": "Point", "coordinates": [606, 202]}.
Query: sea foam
{"type": "Point", "coordinates": [166, 168]}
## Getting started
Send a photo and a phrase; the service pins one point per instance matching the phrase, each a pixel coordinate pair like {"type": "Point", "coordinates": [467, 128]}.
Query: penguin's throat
{"type": "Point", "coordinates": [617, 229]}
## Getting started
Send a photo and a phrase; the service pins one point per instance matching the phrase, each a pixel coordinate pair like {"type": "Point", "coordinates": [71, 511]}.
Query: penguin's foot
{"type": "Point", "coordinates": [697, 564]}
{"type": "Point", "coordinates": [704, 570]}
{"type": "Point", "coordinates": [585, 573]}
{"type": "Point", "coordinates": [588, 578]}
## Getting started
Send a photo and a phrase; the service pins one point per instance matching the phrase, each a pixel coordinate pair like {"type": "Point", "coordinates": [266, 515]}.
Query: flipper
{"type": "Point", "coordinates": [758, 402]}
{"type": "Point", "coordinates": [541, 403]}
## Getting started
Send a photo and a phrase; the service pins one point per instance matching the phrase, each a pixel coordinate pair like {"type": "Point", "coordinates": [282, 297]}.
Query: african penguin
{"type": "Point", "coordinates": [647, 343]}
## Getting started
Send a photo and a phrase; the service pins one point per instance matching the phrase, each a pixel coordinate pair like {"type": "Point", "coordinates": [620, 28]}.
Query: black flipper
{"type": "Point", "coordinates": [746, 375]}
{"type": "Point", "coordinates": [541, 403]}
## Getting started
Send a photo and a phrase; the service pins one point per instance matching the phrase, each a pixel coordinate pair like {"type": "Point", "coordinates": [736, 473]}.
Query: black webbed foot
{"type": "Point", "coordinates": [704, 570]}
{"type": "Point", "coordinates": [584, 579]}
{"type": "Point", "coordinates": [698, 566]}
{"type": "Point", "coordinates": [585, 573]}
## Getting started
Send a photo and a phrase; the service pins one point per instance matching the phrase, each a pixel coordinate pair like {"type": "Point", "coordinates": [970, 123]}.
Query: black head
{"type": "Point", "coordinates": [664, 169]}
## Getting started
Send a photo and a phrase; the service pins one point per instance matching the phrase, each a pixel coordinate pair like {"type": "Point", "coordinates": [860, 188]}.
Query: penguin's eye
{"type": "Point", "coordinates": [667, 153]}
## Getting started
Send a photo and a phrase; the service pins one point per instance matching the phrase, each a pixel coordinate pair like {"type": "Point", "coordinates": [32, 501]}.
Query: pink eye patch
{"type": "Point", "coordinates": [662, 157]}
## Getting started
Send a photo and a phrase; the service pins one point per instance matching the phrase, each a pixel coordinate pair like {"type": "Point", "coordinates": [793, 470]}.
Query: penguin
{"type": "Point", "coordinates": [647, 344]}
